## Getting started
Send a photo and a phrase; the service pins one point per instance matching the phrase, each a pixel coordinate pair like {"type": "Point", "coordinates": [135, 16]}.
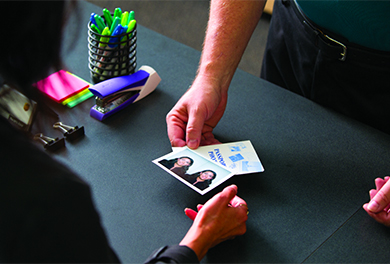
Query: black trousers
{"type": "Point", "coordinates": [301, 59]}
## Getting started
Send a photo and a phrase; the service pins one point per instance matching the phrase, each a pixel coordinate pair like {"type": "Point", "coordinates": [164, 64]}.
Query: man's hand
{"type": "Point", "coordinates": [192, 120]}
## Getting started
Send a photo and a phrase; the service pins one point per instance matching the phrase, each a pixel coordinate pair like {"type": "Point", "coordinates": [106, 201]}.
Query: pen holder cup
{"type": "Point", "coordinates": [111, 56]}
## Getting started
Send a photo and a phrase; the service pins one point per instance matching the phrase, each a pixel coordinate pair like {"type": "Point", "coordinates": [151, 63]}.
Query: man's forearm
{"type": "Point", "coordinates": [231, 24]}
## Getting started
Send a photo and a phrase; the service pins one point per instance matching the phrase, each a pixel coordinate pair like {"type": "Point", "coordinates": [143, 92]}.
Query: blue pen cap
{"type": "Point", "coordinates": [92, 19]}
{"type": "Point", "coordinates": [114, 40]}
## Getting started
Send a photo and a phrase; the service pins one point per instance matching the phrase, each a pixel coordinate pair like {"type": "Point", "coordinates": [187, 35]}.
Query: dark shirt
{"type": "Point", "coordinates": [47, 213]}
{"type": "Point", "coordinates": [181, 171]}
{"type": "Point", "coordinates": [191, 178]}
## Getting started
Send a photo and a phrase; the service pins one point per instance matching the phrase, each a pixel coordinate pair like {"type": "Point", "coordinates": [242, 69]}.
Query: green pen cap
{"type": "Point", "coordinates": [107, 17]}
{"type": "Point", "coordinates": [95, 29]}
{"type": "Point", "coordinates": [131, 15]}
{"type": "Point", "coordinates": [118, 12]}
{"type": "Point", "coordinates": [99, 22]}
{"type": "Point", "coordinates": [115, 23]}
{"type": "Point", "coordinates": [131, 25]}
{"type": "Point", "coordinates": [125, 18]}
{"type": "Point", "coordinates": [105, 40]}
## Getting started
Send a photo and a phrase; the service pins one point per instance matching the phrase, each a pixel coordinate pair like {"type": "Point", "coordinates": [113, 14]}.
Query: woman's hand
{"type": "Point", "coordinates": [223, 217]}
{"type": "Point", "coordinates": [379, 205]}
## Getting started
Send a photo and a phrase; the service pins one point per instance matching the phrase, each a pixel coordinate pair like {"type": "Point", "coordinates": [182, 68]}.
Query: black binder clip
{"type": "Point", "coordinates": [51, 144]}
{"type": "Point", "coordinates": [71, 133]}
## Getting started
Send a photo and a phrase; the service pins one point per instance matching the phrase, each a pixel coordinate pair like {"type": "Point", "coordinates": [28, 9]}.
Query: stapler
{"type": "Point", "coordinates": [116, 93]}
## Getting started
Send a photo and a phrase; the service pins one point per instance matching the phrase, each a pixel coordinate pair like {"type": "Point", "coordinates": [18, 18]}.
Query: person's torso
{"type": "Point", "coordinates": [362, 22]}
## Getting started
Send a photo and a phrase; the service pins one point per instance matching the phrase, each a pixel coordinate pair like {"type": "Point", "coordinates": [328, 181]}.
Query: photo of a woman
{"type": "Point", "coordinates": [201, 179]}
{"type": "Point", "coordinates": [178, 165]}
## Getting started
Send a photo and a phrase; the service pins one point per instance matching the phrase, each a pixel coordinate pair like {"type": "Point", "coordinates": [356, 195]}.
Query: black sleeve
{"type": "Point", "coordinates": [47, 212]}
{"type": "Point", "coordinates": [173, 254]}
{"type": "Point", "coordinates": [63, 228]}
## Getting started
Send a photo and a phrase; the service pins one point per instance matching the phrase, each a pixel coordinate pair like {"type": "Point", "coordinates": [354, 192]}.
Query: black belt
{"type": "Point", "coordinates": [338, 48]}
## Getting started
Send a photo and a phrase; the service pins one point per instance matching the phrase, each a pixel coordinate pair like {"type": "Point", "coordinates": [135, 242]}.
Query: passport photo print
{"type": "Point", "coordinates": [194, 170]}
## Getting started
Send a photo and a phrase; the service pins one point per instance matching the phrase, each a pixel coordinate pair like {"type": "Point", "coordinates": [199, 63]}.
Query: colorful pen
{"type": "Point", "coordinates": [112, 43]}
{"type": "Point", "coordinates": [107, 17]}
{"type": "Point", "coordinates": [125, 18]}
{"type": "Point", "coordinates": [131, 15]}
{"type": "Point", "coordinates": [118, 12]}
{"type": "Point", "coordinates": [118, 31]}
{"type": "Point", "coordinates": [99, 22]}
{"type": "Point", "coordinates": [102, 45]}
{"type": "Point", "coordinates": [106, 32]}
{"type": "Point", "coordinates": [104, 40]}
{"type": "Point", "coordinates": [131, 26]}
{"type": "Point", "coordinates": [115, 23]}
{"type": "Point", "coordinates": [92, 19]}
{"type": "Point", "coordinates": [95, 29]}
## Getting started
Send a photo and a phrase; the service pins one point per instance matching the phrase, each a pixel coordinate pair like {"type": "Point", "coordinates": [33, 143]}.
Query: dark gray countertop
{"type": "Point", "coordinates": [305, 207]}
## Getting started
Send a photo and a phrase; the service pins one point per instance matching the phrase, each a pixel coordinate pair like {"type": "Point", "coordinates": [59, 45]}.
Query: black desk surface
{"type": "Point", "coordinates": [305, 207]}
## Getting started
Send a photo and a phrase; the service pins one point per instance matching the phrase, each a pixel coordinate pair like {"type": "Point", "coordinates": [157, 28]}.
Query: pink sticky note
{"type": "Point", "coordinates": [61, 85]}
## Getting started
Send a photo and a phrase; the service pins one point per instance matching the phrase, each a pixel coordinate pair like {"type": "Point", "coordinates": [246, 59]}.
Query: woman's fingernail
{"type": "Point", "coordinates": [373, 206]}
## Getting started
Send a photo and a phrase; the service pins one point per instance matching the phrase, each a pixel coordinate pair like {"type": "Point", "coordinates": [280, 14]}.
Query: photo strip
{"type": "Point", "coordinates": [194, 170]}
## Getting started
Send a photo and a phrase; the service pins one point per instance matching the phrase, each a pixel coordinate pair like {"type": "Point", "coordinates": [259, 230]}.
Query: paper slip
{"type": "Point", "coordinates": [61, 85]}
{"type": "Point", "coordinates": [239, 157]}
{"type": "Point", "coordinates": [16, 107]}
{"type": "Point", "coordinates": [207, 167]}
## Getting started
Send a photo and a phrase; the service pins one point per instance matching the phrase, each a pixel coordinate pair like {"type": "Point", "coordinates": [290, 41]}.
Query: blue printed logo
{"type": "Point", "coordinates": [236, 157]}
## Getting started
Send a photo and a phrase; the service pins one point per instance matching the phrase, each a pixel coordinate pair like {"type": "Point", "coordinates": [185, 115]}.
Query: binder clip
{"type": "Point", "coordinates": [70, 133]}
{"type": "Point", "coordinates": [51, 144]}
{"type": "Point", "coordinates": [116, 93]}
